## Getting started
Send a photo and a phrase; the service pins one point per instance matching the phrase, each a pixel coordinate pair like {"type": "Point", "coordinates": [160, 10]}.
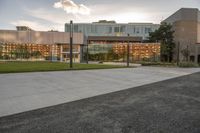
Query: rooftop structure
{"type": "Point", "coordinates": [23, 28]}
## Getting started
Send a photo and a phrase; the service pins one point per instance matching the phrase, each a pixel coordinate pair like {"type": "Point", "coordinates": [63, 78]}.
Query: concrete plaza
{"type": "Point", "coordinates": [29, 91]}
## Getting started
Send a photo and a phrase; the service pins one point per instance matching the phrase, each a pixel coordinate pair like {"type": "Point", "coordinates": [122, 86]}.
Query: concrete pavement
{"type": "Point", "coordinates": [170, 106]}
{"type": "Point", "coordinates": [28, 91]}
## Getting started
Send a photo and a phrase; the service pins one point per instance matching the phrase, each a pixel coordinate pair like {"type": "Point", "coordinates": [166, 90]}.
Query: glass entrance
{"type": "Point", "coordinates": [76, 59]}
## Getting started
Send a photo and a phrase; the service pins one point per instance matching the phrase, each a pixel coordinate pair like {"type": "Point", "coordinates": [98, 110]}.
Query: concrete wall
{"type": "Point", "coordinates": [185, 31]}
{"type": "Point", "coordinates": [184, 14]}
{"type": "Point", "coordinates": [198, 32]}
{"type": "Point", "coordinates": [37, 37]}
{"type": "Point", "coordinates": [186, 25]}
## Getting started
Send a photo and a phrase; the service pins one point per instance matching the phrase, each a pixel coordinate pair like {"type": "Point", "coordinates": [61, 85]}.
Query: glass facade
{"type": "Point", "coordinates": [114, 29]}
{"type": "Point", "coordinates": [38, 45]}
{"type": "Point", "coordinates": [11, 51]}
{"type": "Point", "coordinates": [117, 51]}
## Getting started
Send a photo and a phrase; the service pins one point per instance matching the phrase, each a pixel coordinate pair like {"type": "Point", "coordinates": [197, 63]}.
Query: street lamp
{"type": "Point", "coordinates": [128, 52]}
{"type": "Point", "coordinates": [71, 44]}
{"type": "Point", "coordinates": [87, 52]}
{"type": "Point", "coordinates": [178, 52]}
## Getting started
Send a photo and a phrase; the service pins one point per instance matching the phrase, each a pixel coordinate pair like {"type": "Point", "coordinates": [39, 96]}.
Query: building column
{"type": "Point", "coordinates": [61, 53]}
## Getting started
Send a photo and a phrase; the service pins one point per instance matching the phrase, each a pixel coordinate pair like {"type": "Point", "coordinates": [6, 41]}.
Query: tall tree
{"type": "Point", "coordinates": [164, 35]}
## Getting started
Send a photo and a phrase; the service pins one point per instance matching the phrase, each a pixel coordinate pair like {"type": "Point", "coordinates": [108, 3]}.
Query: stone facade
{"type": "Point", "coordinates": [186, 24]}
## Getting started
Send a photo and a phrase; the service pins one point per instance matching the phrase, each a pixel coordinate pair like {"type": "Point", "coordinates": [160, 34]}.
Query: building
{"type": "Point", "coordinates": [186, 24]}
{"type": "Point", "coordinates": [38, 45]}
{"type": "Point", "coordinates": [27, 44]}
{"type": "Point", "coordinates": [111, 28]}
{"type": "Point", "coordinates": [104, 37]}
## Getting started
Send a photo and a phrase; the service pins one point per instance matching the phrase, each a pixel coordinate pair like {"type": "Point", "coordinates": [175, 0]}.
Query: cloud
{"type": "Point", "coordinates": [57, 17]}
{"type": "Point", "coordinates": [72, 8]}
{"type": "Point", "coordinates": [127, 15]}
{"type": "Point", "coordinates": [33, 25]}
{"type": "Point", "coordinates": [47, 15]}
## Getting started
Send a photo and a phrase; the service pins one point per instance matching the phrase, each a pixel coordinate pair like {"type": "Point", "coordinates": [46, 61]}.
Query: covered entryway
{"type": "Point", "coordinates": [64, 52]}
{"type": "Point", "coordinates": [66, 57]}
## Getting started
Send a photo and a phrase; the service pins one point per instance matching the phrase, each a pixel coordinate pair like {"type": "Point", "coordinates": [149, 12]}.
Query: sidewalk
{"type": "Point", "coordinates": [28, 91]}
{"type": "Point", "coordinates": [117, 63]}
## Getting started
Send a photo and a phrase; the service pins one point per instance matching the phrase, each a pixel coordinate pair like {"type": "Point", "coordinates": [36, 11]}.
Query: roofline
{"type": "Point", "coordinates": [178, 11]}
{"type": "Point", "coordinates": [115, 38]}
{"type": "Point", "coordinates": [130, 23]}
{"type": "Point", "coordinates": [34, 31]}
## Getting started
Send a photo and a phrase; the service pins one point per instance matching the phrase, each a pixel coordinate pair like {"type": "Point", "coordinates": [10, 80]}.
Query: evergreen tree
{"type": "Point", "coordinates": [164, 35]}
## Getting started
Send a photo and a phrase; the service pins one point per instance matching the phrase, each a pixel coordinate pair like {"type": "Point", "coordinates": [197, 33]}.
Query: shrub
{"type": "Point", "coordinates": [156, 64]}
{"type": "Point", "coordinates": [188, 64]}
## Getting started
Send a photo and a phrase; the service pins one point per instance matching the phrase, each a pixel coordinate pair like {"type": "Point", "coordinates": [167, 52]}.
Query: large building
{"type": "Point", "coordinates": [111, 28]}
{"type": "Point", "coordinates": [186, 24]}
{"type": "Point", "coordinates": [105, 36]}
{"type": "Point", "coordinates": [25, 43]}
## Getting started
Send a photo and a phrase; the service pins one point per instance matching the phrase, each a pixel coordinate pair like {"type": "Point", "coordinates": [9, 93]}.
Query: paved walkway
{"type": "Point", "coordinates": [29, 91]}
{"type": "Point", "coordinates": [170, 106]}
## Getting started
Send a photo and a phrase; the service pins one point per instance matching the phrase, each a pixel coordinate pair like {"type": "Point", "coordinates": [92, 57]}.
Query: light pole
{"type": "Point", "coordinates": [128, 52]}
{"type": "Point", "coordinates": [188, 53]}
{"type": "Point", "coordinates": [87, 55]}
{"type": "Point", "coordinates": [71, 44]}
{"type": "Point", "coordinates": [178, 52]}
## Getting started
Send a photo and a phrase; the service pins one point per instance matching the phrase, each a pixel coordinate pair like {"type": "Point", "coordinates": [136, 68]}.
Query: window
{"type": "Point", "coordinates": [67, 28]}
{"type": "Point", "coordinates": [110, 30]}
{"type": "Point", "coordinates": [137, 30]}
{"type": "Point", "coordinates": [147, 30]}
{"type": "Point", "coordinates": [122, 29]}
{"type": "Point", "coordinates": [116, 29]}
{"type": "Point", "coordinates": [75, 28]}
{"type": "Point", "coordinates": [133, 29]}
{"type": "Point", "coordinates": [93, 29]}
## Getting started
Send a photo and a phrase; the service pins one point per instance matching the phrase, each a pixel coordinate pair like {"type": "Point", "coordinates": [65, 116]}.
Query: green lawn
{"type": "Point", "coordinates": [16, 67]}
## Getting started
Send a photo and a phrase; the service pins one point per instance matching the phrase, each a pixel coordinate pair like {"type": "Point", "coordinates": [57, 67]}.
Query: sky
{"type": "Point", "coordinates": [44, 15]}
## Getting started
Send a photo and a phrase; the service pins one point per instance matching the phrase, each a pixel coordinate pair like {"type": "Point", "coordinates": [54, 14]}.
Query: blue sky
{"type": "Point", "coordinates": [52, 14]}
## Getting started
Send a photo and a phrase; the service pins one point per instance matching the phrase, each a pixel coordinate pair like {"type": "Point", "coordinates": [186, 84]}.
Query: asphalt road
{"type": "Point", "coordinates": [171, 106]}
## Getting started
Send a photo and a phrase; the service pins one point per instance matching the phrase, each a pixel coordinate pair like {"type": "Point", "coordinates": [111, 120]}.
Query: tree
{"type": "Point", "coordinates": [186, 53]}
{"type": "Point", "coordinates": [164, 35]}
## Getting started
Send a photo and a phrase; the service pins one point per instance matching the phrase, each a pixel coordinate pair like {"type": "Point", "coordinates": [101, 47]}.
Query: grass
{"type": "Point", "coordinates": [17, 67]}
